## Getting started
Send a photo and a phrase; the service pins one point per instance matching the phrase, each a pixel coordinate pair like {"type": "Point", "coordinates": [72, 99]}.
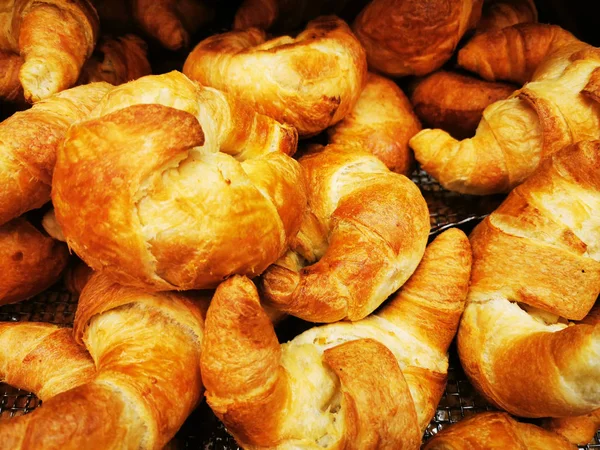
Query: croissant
{"type": "Point", "coordinates": [10, 86]}
{"type": "Point", "coordinates": [412, 37]}
{"type": "Point", "coordinates": [579, 429]}
{"type": "Point", "coordinates": [455, 102]}
{"type": "Point", "coordinates": [363, 236]}
{"type": "Point", "coordinates": [210, 189]}
{"type": "Point", "coordinates": [310, 82]}
{"type": "Point", "coordinates": [496, 430]}
{"type": "Point", "coordinates": [382, 122]}
{"type": "Point", "coordinates": [354, 385]}
{"type": "Point", "coordinates": [171, 21]}
{"type": "Point", "coordinates": [54, 37]}
{"type": "Point", "coordinates": [117, 61]}
{"type": "Point", "coordinates": [146, 350]}
{"type": "Point", "coordinates": [28, 144]}
{"type": "Point", "coordinates": [535, 267]}
{"type": "Point", "coordinates": [29, 261]}
{"type": "Point", "coordinates": [498, 14]}
{"type": "Point", "coordinates": [555, 109]}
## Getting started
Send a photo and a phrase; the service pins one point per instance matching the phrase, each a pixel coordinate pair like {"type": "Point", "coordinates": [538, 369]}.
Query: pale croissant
{"type": "Point", "coordinates": [558, 107]}
{"type": "Point", "coordinates": [364, 385]}
{"type": "Point", "coordinates": [170, 185]}
{"type": "Point", "coordinates": [363, 236]}
{"type": "Point", "coordinates": [382, 122]}
{"type": "Point", "coordinates": [28, 145]}
{"type": "Point", "coordinates": [146, 352]}
{"type": "Point", "coordinates": [536, 266]}
{"type": "Point", "coordinates": [496, 430]}
{"type": "Point", "coordinates": [311, 82]}
{"type": "Point", "coordinates": [54, 37]}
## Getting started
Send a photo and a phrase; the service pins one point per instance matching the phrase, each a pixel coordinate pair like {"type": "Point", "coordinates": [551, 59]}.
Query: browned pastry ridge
{"type": "Point", "coordinates": [28, 145]}
{"type": "Point", "coordinates": [310, 82]}
{"type": "Point", "coordinates": [382, 122]}
{"type": "Point", "coordinates": [498, 14]}
{"type": "Point", "coordinates": [117, 61]}
{"type": "Point", "coordinates": [455, 102]}
{"type": "Point", "coordinates": [366, 385]}
{"type": "Point", "coordinates": [363, 236]}
{"type": "Point", "coordinates": [557, 108]}
{"type": "Point", "coordinates": [576, 429]}
{"type": "Point", "coordinates": [54, 37]}
{"type": "Point", "coordinates": [536, 266]}
{"type": "Point", "coordinates": [171, 21]}
{"type": "Point", "coordinates": [10, 86]}
{"type": "Point", "coordinates": [496, 430]}
{"type": "Point", "coordinates": [29, 261]}
{"type": "Point", "coordinates": [170, 185]}
{"type": "Point", "coordinates": [413, 37]}
{"type": "Point", "coordinates": [146, 379]}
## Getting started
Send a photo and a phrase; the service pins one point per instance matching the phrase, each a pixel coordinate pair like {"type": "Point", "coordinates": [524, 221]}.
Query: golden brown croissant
{"type": "Point", "coordinates": [205, 188]}
{"type": "Point", "coordinates": [364, 235]}
{"type": "Point", "coordinates": [412, 37]}
{"type": "Point", "coordinates": [29, 261]}
{"type": "Point", "coordinates": [42, 358]}
{"type": "Point", "coordinates": [382, 122]}
{"type": "Point", "coordinates": [554, 110]}
{"type": "Point", "coordinates": [171, 21]}
{"type": "Point", "coordinates": [28, 144]}
{"type": "Point", "coordinates": [499, 14]}
{"type": "Point", "coordinates": [577, 429]}
{"type": "Point", "coordinates": [455, 102]}
{"type": "Point", "coordinates": [310, 82]}
{"type": "Point", "coordinates": [364, 385]}
{"type": "Point", "coordinates": [54, 37]}
{"type": "Point", "coordinates": [146, 348]}
{"type": "Point", "coordinates": [498, 431]}
{"type": "Point", "coordinates": [536, 265]}
{"type": "Point", "coordinates": [117, 61]}
{"type": "Point", "coordinates": [10, 86]}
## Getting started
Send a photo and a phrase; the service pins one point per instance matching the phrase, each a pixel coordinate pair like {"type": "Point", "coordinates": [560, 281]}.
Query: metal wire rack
{"type": "Point", "coordinates": [202, 430]}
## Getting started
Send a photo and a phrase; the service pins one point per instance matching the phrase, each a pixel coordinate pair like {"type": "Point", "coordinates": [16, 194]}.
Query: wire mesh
{"type": "Point", "coordinates": [203, 430]}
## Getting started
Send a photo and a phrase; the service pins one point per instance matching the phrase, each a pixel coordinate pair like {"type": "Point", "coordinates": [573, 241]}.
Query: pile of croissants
{"type": "Point", "coordinates": [268, 177]}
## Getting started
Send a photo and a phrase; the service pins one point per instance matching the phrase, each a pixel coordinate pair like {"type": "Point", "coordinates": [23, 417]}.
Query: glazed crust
{"type": "Point", "coordinates": [310, 82]}
{"type": "Point", "coordinates": [233, 195]}
{"type": "Point", "coordinates": [412, 37]}
{"type": "Point", "coordinates": [537, 263]}
{"type": "Point", "coordinates": [382, 122]}
{"type": "Point", "coordinates": [578, 430]}
{"type": "Point", "coordinates": [348, 385]}
{"type": "Point", "coordinates": [29, 261]}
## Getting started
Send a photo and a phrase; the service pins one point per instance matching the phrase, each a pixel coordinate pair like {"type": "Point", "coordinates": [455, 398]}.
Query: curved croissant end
{"type": "Point", "coordinates": [515, 134]}
{"type": "Point", "coordinates": [256, 13]}
{"type": "Point", "coordinates": [495, 430]}
{"type": "Point", "coordinates": [500, 14]}
{"type": "Point", "coordinates": [311, 82]}
{"type": "Point", "coordinates": [382, 122]}
{"type": "Point", "coordinates": [52, 60]}
{"type": "Point", "coordinates": [579, 430]}
{"type": "Point", "coordinates": [514, 53]}
{"type": "Point", "coordinates": [358, 265]}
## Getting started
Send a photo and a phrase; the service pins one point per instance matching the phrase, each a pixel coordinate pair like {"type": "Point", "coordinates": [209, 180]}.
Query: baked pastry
{"type": "Point", "coordinates": [283, 15]}
{"type": "Point", "coordinates": [42, 358]}
{"type": "Point", "coordinates": [29, 261]}
{"type": "Point", "coordinates": [171, 21]}
{"type": "Point", "coordinates": [363, 236]}
{"type": "Point", "coordinates": [498, 14]}
{"type": "Point", "coordinates": [579, 430]}
{"type": "Point", "coordinates": [365, 385]}
{"type": "Point", "coordinates": [52, 60]}
{"type": "Point", "coordinates": [496, 430]}
{"type": "Point", "coordinates": [10, 86]}
{"type": "Point", "coordinates": [28, 143]}
{"type": "Point", "coordinates": [382, 122]}
{"type": "Point", "coordinates": [117, 61]}
{"type": "Point", "coordinates": [536, 266]}
{"type": "Point", "coordinates": [210, 191]}
{"type": "Point", "coordinates": [553, 110]}
{"type": "Point", "coordinates": [146, 348]}
{"type": "Point", "coordinates": [455, 102]}
{"type": "Point", "coordinates": [310, 82]}
{"type": "Point", "coordinates": [412, 37]}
